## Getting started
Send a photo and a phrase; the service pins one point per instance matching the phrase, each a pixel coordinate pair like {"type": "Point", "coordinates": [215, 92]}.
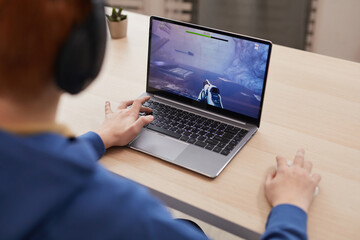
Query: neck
{"type": "Point", "coordinates": [36, 111]}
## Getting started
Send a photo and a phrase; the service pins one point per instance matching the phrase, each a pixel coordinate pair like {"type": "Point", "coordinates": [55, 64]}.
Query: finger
{"type": "Point", "coordinates": [141, 122]}
{"type": "Point", "coordinates": [142, 100]}
{"type": "Point", "coordinates": [146, 98]}
{"type": "Point", "coordinates": [137, 104]}
{"type": "Point", "coordinates": [107, 108]}
{"type": "Point", "coordinates": [281, 162]}
{"type": "Point", "coordinates": [308, 166]}
{"type": "Point", "coordinates": [125, 104]}
{"type": "Point", "coordinates": [299, 158]}
{"type": "Point", "coordinates": [317, 178]}
{"type": "Point", "coordinates": [145, 110]}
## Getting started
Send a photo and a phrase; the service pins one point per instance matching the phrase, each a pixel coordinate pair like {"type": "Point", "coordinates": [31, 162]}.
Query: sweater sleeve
{"type": "Point", "coordinates": [95, 141]}
{"type": "Point", "coordinates": [286, 221]}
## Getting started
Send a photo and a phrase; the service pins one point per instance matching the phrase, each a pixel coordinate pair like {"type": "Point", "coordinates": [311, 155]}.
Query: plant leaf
{"type": "Point", "coordinates": [119, 12]}
{"type": "Point", "coordinates": [114, 14]}
{"type": "Point", "coordinates": [123, 17]}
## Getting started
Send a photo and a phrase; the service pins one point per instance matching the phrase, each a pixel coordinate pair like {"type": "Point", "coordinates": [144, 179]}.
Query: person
{"type": "Point", "coordinates": [51, 186]}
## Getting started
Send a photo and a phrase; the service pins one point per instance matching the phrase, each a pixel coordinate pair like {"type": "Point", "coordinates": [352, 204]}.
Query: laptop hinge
{"type": "Point", "coordinates": [200, 110]}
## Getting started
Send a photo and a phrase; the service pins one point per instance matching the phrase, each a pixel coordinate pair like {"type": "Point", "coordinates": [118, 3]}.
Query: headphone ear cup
{"type": "Point", "coordinates": [80, 58]}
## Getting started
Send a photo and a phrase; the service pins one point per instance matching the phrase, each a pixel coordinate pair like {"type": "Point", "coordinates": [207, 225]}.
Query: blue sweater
{"type": "Point", "coordinates": [51, 187]}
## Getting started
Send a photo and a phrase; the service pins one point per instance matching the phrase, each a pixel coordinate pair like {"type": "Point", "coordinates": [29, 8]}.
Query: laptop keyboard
{"type": "Point", "coordinates": [194, 129]}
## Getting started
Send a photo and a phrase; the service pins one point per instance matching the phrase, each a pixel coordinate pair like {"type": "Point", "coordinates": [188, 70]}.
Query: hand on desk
{"type": "Point", "coordinates": [292, 184]}
{"type": "Point", "coordinates": [122, 125]}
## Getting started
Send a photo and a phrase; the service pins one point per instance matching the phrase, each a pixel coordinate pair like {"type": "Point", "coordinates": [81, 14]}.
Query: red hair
{"type": "Point", "coordinates": [31, 33]}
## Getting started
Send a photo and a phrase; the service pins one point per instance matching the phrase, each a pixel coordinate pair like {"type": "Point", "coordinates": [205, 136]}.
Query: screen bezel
{"type": "Point", "coordinates": [203, 106]}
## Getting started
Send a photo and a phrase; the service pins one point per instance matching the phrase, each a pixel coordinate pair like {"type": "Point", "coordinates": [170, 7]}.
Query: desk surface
{"type": "Point", "coordinates": [311, 101]}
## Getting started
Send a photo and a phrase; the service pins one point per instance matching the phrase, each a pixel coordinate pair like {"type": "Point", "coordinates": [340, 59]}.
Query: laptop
{"type": "Point", "coordinates": [207, 91]}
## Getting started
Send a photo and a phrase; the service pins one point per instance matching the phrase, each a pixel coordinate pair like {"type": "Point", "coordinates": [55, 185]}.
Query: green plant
{"type": "Point", "coordinates": [116, 16]}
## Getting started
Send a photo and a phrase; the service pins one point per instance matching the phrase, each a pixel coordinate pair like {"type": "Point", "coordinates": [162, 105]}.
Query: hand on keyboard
{"type": "Point", "coordinates": [123, 124]}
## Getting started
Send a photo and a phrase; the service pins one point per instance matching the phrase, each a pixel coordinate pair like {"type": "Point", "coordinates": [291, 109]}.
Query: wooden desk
{"type": "Point", "coordinates": [311, 101]}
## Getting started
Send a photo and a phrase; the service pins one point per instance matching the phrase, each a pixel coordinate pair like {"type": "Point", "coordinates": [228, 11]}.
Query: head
{"type": "Point", "coordinates": [33, 34]}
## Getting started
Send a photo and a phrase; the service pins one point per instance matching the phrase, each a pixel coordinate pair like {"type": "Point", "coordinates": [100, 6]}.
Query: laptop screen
{"type": "Point", "coordinates": [222, 70]}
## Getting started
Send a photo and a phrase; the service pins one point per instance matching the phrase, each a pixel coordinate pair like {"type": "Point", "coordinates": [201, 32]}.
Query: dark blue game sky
{"type": "Point", "coordinates": [183, 58]}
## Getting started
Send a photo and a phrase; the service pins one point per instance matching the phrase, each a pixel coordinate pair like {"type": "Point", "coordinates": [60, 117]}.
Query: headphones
{"type": "Point", "coordinates": [81, 56]}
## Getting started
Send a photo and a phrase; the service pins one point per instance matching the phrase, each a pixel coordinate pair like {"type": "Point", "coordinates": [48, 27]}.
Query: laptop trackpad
{"type": "Point", "coordinates": [158, 145]}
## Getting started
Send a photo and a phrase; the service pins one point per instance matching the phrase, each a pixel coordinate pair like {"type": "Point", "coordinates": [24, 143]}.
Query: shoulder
{"type": "Point", "coordinates": [42, 172]}
{"type": "Point", "coordinates": [47, 163]}
{"type": "Point", "coordinates": [56, 149]}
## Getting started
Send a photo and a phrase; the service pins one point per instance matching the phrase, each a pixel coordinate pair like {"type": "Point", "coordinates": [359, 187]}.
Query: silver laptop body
{"type": "Point", "coordinates": [217, 76]}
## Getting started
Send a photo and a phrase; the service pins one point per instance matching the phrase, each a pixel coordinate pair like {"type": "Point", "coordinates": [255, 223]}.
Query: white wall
{"type": "Point", "coordinates": [337, 29]}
